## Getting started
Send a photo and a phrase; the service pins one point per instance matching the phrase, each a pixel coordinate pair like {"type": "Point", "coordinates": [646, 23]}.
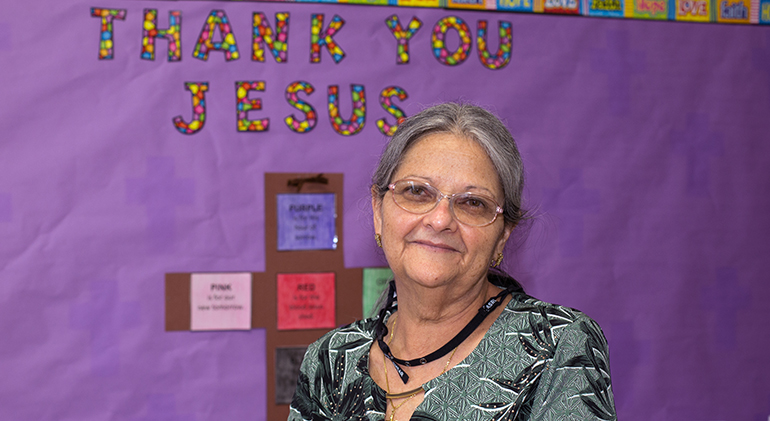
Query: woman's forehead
{"type": "Point", "coordinates": [445, 160]}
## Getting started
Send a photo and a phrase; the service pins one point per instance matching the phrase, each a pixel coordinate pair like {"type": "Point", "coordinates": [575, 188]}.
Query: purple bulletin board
{"type": "Point", "coordinates": [645, 144]}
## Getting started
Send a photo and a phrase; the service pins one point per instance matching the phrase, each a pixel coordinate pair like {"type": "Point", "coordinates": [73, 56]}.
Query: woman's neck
{"type": "Point", "coordinates": [429, 317]}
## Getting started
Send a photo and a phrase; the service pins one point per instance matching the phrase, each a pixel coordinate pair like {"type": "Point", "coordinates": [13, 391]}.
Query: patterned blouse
{"type": "Point", "coordinates": [538, 361]}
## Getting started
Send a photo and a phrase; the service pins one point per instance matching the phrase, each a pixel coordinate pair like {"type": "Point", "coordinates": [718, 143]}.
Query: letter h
{"type": "Point", "coordinates": [150, 32]}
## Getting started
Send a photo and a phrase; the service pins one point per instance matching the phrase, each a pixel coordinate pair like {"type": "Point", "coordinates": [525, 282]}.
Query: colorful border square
{"type": "Point", "coordinates": [764, 12]}
{"type": "Point", "coordinates": [605, 8]}
{"type": "Point", "coordinates": [693, 10]}
{"type": "Point", "coordinates": [733, 11]}
{"type": "Point", "coordinates": [650, 9]}
{"type": "Point", "coordinates": [516, 5]}
{"type": "Point", "coordinates": [467, 4]}
{"type": "Point", "coordinates": [562, 7]}
{"type": "Point", "coordinates": [419, 3]}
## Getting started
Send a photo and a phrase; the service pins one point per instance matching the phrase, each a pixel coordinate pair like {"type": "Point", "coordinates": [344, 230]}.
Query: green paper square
{"type": "Point", "coordinates": [375, 281]}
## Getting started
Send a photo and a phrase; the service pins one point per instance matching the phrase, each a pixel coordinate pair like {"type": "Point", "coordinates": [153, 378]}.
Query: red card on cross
{"type": "Point", "coordinates": [306, 301]}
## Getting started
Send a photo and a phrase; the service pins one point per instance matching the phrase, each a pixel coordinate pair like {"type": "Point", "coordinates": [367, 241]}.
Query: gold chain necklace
{"type": "Point", "coordinates": [410, 393]}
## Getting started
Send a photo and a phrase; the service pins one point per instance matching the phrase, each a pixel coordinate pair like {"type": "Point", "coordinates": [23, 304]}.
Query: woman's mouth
{"type": "Point", "coordinates": [435, 246]}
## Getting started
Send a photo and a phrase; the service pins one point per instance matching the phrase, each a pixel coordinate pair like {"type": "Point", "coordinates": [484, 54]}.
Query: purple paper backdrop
{"type": "Point", "coordinates": [648, 165]}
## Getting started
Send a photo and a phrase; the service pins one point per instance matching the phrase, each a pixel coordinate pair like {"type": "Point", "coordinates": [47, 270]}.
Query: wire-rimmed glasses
{"type": "Point", "coordinates": [469, 208]}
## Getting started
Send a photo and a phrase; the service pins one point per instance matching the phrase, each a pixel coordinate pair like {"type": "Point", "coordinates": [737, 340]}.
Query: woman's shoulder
{"type": "Point", "coordinates": [357, 334]}
{"type": "Point", "coordinates": [525, 306]}
{"type": "Point", "coordinates": [523, 303]}
{"type": "Point", "coordinates": [525, 313]}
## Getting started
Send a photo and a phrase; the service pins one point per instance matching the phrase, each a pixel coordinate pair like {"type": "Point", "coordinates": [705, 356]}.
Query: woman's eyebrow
{"type": "Point", "coordinates": [430, 181]}
{"type": "Point", "coordinates": [472, 187]}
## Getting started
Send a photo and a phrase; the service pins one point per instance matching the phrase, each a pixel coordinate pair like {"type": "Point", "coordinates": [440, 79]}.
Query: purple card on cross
{"type": "Point", "coordinates": [307, 221]}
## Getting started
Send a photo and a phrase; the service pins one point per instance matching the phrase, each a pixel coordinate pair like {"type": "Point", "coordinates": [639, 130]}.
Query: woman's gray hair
{"type": "Point", "coordinates": [466, 121]}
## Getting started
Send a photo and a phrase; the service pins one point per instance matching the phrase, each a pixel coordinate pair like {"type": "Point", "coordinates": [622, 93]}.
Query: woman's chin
{"type": "Point", "coordinates": [431, 275]}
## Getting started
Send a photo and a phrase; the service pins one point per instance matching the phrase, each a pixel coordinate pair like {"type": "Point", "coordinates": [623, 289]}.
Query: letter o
{"type": "Point", "coordinates": [439, 46]}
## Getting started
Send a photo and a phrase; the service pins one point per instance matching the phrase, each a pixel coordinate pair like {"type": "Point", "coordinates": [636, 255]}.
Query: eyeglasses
{"type": "Point", "coordinates": [469, 208]}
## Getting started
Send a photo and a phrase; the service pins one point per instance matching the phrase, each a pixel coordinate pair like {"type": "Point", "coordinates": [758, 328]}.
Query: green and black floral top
{"type": "Point", "coordinates": [538, 361]}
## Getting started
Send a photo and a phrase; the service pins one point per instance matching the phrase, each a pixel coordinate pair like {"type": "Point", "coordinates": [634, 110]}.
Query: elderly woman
{"type": "Point", "coordinates": [457, 339]}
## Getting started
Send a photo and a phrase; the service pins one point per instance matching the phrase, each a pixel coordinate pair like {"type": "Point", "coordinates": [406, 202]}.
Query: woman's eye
{"type": "Point", "coordinates": [417, 191]}
{"type": "Point", "coordinates": [474, 203]}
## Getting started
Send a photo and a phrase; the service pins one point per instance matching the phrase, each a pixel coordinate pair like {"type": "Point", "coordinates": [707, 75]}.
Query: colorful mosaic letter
{"type": "Point", "coordinates": [217, 18]}
{"type": "Point", "coordinates": [387, 104]}
{"type": "Point", "coordinates": [439, 46]}
{"type": "Point", "coordinates": [358, 117]}
{"type": "Point", "coordinates": [320, 38]}
{"type": "Point", "coordinates": [263, 34]}
{"type": "Point", "coordinates": [244, 105]}
{"type": "Point", "coordinates": [106, 43]}
{"type": "Point", "coordinates": [503, 55]}
{"type": "Point", "coordinates": [151, 32]}
{"type": "Point", "coordinates": [402, 36]}
{"type": "Point", "coordinates": [198, 91]}
{"type": "Point", "coordinates": [310, 115]}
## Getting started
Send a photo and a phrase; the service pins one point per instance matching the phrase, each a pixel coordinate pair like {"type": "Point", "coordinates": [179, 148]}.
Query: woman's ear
{"type": "Point", "coordinates": [377, 210]}
{"type": "Point", "coordinates": [507, 230]}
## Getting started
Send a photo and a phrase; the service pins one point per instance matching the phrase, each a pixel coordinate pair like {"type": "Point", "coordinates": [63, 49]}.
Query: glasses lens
{"type": "Point", "coordinates": [468, 208]}
{"type": "Point", "coordinates": [474, 210]}
{"type": "Point", "coordinates": [414, 197]}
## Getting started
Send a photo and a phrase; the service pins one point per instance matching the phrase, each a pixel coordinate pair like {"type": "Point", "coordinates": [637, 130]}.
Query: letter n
{"type": "Point", "coordinates": [263, 34]}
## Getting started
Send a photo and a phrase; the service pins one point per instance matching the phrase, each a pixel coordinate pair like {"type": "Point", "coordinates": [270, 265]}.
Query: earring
{"type": "Point", "coordinates": [498, 260]}
{"type": "Point", "coordinates": [378, 240]}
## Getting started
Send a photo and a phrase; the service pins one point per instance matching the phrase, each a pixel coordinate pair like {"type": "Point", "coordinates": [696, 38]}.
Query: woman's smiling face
{"type": "Point", "coordinates": [434, 249]}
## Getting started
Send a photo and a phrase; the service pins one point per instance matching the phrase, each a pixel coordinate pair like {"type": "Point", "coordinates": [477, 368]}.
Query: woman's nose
{"type": "Point", "coordinates": [441, 216]}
